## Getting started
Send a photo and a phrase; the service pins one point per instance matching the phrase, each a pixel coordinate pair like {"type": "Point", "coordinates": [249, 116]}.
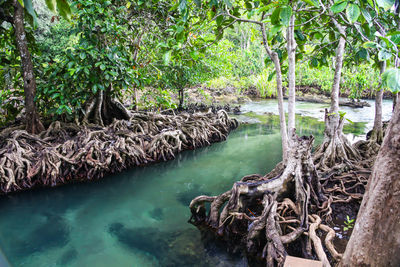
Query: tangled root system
{"type": "Point", "coordinates": [68, 152]}
{"type": "Point", "coordinates": [285, 212]}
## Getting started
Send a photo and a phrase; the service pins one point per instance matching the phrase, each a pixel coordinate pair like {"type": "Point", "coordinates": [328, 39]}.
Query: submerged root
{"type": "Point", "coordinates": [66, 152]}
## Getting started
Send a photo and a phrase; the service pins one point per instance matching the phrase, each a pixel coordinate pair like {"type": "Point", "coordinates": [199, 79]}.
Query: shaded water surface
{"type": "Point", "coordinates": [138, 217]}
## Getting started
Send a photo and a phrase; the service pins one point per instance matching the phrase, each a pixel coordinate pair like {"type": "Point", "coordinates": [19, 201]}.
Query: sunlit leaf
{"type": "Point", "coordinates": [391, 80]}
{"type": "Point", "coordinates": [353, 12]}
{"type": "Point", "coordinates": [339, 6]}
{"type": "Point", "coordinates": [64, 9]}
{"type": "Point", "coordinates": [286, 13]}
{"type": "Point", "coordinates": [52, 5]}
{"type": "Point", "coordinates": [312, 2]}
{"type": "Point", "coordinates": [385, 4]}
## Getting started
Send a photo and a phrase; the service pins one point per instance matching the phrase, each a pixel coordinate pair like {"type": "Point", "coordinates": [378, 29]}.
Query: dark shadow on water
{"type": "Point", "coordinates": [176, 248]}
{"type": "Point", "coordinates": [52, 233]}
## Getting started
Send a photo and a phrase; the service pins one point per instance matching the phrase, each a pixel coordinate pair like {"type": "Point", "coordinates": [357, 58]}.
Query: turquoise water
{"type": "Point", "coordinates": [138, 217]}
{"type": "Point", "coordinates": [131, 219]}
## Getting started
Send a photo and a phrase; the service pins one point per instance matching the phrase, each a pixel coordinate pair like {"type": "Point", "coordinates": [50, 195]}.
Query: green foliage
{"type": "Point", "coordinates": [391, 80]}
{"type": "Point", "coordinates": [349, 223]}
{"type": "Point", "coordinates": [99, 57]}
{"type": "Point", "coordinates": [11, 91]}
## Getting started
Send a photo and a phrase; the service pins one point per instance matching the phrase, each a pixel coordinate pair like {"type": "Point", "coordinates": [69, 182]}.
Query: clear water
{"type": "Point", "coordinates": [138, 217]}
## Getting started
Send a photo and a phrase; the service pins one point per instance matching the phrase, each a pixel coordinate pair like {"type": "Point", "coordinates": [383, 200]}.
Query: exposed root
{"type": "Point", "coordinates": [66, 152]}
{"type": "Point", "coordinates": [102, 109]}
{"type": "Point", "coordinates": [286, 211]}
{"type": "Point", "coordinates": [266, 213]}
{"type": "Point", "coordinates": [335, 148]}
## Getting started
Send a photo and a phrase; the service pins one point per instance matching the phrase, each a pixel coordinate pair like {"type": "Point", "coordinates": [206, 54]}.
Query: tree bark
{"type": "Point", "coordinates": [181, 98]}
{"type": "Point", "coordinates": [335, 148]}
{"type": "Point", "coordinates": [33, 124]}
{"type": "Point", "coordinates": [377, 132]}
{"type": "Point", "coordinates": [275, 59]}
{"type": "Point", "coordinates": [375, 240]}
{"type": "Point", "coordinates": [291, 51]}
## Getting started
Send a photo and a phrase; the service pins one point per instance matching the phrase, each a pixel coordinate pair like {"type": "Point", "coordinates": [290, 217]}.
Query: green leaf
{"type": "Point", "coordinates": [286, 13]}
{"type": "Point", "coordinates": [353, 12]}
{"type": "Point", "coordinates": [395, 38]}
{"type": "Point", "coordinates": [362, 54]}
{"type": "Point", "coordinates": [52, 4]}
{"type": "Point", "coordinates": [275, 16]}
{"type": "Point", "coordinates": [64, 9]}
{"type": "Point", "coordinates": [167, 57]}
{"type": "Point", "coordinates": [21, 3]}
{"type": "Point", "coordinates": [312, 2]}
{"type": "Point", "coordinates": [366, 15]}
{"type": "Point", "coordinates": [385, 4]}
{"type": "Point", "coordinates": [102, 67]}
{"type": "Point", "coordinates": [82, 55]}
{"type": "Point", "coordinates": [271, 75]}
{"type": "Point", "coordinates": [227, 3]}
{"type": "Point", "coordinates": [275, 29]}
{"type": "Point", "coordinates": [384, 55]}
{"type": "Point", "coordinates": [182, 5]}
{"type": "Point", "coordinates": [369, 45]}
{"type": "Point", "coordinates": [391, 80]}
{"type": "Point", "coordinates": [339, 6]}
{"type": "Point", "coordinates": [314, 62]}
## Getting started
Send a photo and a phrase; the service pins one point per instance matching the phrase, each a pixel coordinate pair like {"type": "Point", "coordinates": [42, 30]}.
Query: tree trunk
{"type": "Point", "coordinates": [335, 148]}
{"type": "Point", "coordinates": [250, 217]}
{"type": "Point", "coordinates": [181, 98]}
{"type": "Point", "coordinates": [377, 132]}
{"type": "Point", "coordinates": [291, 51]}
{"type": "Point", "coordinates": [275, 59]}
{"type": "Point", "coordinates": [102, 109]}
{"type": "Point", "coordinates": [395, 100]}
{"type": "Point", "coordinates": [375, 240]}
{"type": "Point", "coordinates": [33, 124]}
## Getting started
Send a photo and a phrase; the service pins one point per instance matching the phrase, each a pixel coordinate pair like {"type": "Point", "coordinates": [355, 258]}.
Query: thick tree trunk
{"type": "Point", "coordinates": [291, 51]}
{"type": "Point", "coordinates": [375, 240]}
{"type": "Point", "coordinates": [33, 124]}
{"type": "Point", "coordinates": [102, 109]}
{"type": "Point", "coordinates": [275, 59]}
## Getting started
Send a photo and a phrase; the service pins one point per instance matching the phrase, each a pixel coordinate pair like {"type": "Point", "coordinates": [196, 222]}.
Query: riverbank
{"type": "Point", "coordinates": [67, 153]}
{"type": "Point", "coordinates": [235, 96]}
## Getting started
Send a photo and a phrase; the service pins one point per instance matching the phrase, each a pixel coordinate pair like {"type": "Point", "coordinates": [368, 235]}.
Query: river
{"type": "Point", "coordinates": [139, 217]}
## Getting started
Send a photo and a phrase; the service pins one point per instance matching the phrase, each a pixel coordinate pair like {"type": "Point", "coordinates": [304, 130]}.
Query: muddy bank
{"type": "Point", "coordinates": [70, 153]}
{"type": "Point", "coordinates": [303, 93]}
